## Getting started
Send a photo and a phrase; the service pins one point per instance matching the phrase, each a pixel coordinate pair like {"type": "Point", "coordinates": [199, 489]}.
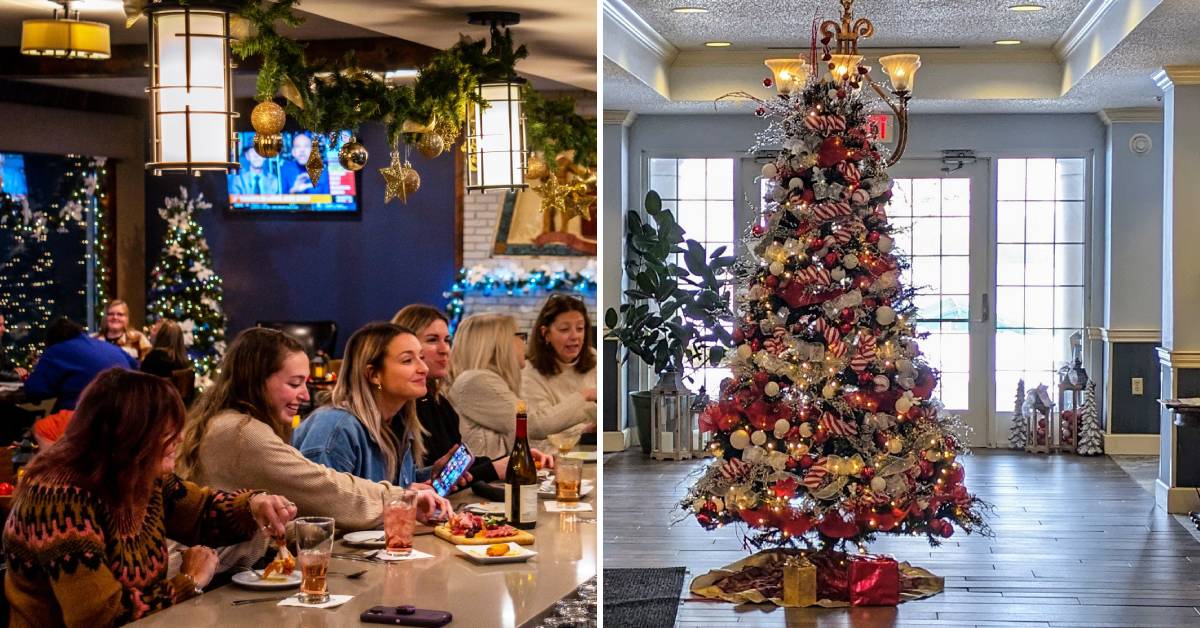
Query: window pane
{"type": "Point", "coordinates": [1068, 264]}
{"type": "Point", "coordinates": [1039, 180]}
{"type": "Point", "coordinates": [1039, 222]}
{"type": "Point", "coordinates": [1068, 308]}
{"type": "Point", "coordinates": [1039, 264]}
{"type": "Point", "coordinates": [1010, 350]}
{"type": "Point", "coordinates": [1006, 390]}
{"type": "Point", "coordinates": [664, 184]}
{"type": "Point", "coordinates": [691, 217]}
{"type": "Point", "coordinates": [1010, 264]}
{"type": "Point", "coordinates": [901, 203]}
{"type": "Point", "coordinates": [956, 197]}
{"type": "Point", "coordinates": [953, 391]}
{"type": "Point", "coordinates": [956, 306]}
{"type": "Point", "coordinates": [1010, 221]}
{"type": "Point", "coordinates": [692, 175]}
{"type": "Point", "coordinates": [956, 236]}
{"type": "Point", "coordinates": [1010, 179]}
{"type": "Point", "coordinates": [1039, 307]}
{"type": "Point", "coordinates": [956, 352]}
{"type": "Point", "coordinates": [927, 235]}
{"type": "Point", "coordinates": [927, 305]}
{"type": "Point", "coordinates": [927, 197]}
{"type": "Point", "coordinates": [1068, 221]}
{"type": "Point", "coordinates": [1071, 179]}
{"type": "Point", "coordinates": [1010, 308]}
{"type": "Point", "coordinates": [720, 179]}
{"type": "Point", "coordinates": [926, 273]}
{"type": "Point", "coordinates": [720, 221]}
{"type": "Point", "coordinates": [1039, 350]}
{"type": "Point", "coordinates": [902, 234]}
{"type": "Point", "coordinates": [955, 276]}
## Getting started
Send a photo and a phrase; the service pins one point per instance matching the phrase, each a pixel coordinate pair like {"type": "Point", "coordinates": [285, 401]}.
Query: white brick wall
{"type": "Point", "coordinates": [481, 212]}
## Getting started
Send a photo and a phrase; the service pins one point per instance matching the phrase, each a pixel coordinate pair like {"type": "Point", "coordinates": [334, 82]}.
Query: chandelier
{"type": "Point", "coordinates": [495, 138]}
{"type": "Point", "coordinates": [66, 37]}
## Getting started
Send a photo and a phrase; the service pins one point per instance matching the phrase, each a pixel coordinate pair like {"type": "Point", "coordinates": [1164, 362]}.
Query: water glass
{"type": "Point", "coordinates": [399, 522]}
{"type": "Point", "coordinates": [314, 540]}
{"type": "Point", "coordinates": [568, 478]}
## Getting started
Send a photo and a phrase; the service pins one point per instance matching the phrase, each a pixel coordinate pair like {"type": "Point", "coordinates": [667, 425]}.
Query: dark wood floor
{"type": "Point", "coordinates": [1078, 544]}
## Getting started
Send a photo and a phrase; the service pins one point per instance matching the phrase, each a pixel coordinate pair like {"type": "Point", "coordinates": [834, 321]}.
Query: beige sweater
{"type": "Point", "coordinates": [238, 451]}
{"type": "Point", "coordinates": [487, 409]}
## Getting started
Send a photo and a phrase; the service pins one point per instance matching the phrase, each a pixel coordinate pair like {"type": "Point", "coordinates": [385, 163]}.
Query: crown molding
{"type": "Point", "coordinates": [941, 56]}
{"type": "Point", "coordinates": [637, 28]}
{"type": "Point", "coordinates": [1179, 359]}
{"type": "Point", "coordinates": [1131, 114]}
{"type": "Point", "coordinates": [1129, 335]}
{"type": "Point", "coordinates": [618, 116]}
{"type": "Point", "coordinates": [1171, 75]}
{"type": "Point", "coordinates": [1079, 30]}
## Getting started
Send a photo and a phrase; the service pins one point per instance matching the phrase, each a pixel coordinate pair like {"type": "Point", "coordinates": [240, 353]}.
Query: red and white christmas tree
{"type": "Point", "coordinates": [828, 430]}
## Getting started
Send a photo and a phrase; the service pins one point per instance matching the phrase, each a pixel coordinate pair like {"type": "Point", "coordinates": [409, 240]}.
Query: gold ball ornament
{"type": "Point", "coordinates": [400, 179]}
{"type": "Point", "coordinates": [353, 155]}
{"type": "Point", "coordinates": [267, 118]}
{"type": "Point", "coordinates": [536, 169]}
{"type": "Point", "coordinates": [268, 145]}
{"type": "Point", "coordinates": [431, 145]}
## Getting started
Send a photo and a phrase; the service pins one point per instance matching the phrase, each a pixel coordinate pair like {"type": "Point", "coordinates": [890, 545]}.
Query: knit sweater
{"type": "Point", "coordinates": [237, 450]}
{"type": "Point", "coordinates": [71, 562]}
{"type": "Point", "coordinates": [556, 404]}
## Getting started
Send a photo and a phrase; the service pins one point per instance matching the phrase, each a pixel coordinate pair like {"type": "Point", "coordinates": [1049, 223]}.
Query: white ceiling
{"type": "Point", "coordinates": [1076, 59]}
{"type": "Point", "coordinates": [561, 39]}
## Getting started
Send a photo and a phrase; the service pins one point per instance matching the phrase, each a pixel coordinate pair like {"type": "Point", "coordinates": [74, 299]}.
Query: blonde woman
{"type": "Point", "coordinates": [370, 428]}
{"type": "Point", "coordinates": [438, 417]}
{"type": "Point", "coordinates": [116, 330]}
{"type": "Point", "coordinates": [238, 435]}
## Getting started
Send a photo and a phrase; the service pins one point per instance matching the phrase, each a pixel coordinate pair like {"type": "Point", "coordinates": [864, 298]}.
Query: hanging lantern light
{"type": "Point", "coordinates": [496, 133]}
{"type": "Point", "coordinates": [191, 95]}
{"type": "Point", "coordinates": [67, 37]}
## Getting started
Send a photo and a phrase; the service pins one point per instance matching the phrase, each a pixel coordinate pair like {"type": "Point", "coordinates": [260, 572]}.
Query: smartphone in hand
{"type": "Point", "coordinates": [458, 464]}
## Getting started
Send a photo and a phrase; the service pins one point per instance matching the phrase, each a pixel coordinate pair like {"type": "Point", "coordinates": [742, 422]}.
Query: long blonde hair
{"type": "Point", "coordinates": [484, 342]}
{"type": "Point", "coordinates": [366, 351]}
{"type": "Point", "coordinates": [240, 385]}
{"type": "Point", "coordinates": [417, 317]}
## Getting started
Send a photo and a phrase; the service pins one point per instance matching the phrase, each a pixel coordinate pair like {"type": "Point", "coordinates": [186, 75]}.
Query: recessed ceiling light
{"type": "Point", "coordinates": [1007, 42]}
{"type": "Point", "coordinates": [717, 44]}
{"type": "Point", "coordinates": [1026, 7]}
{"type": "Point", "coordinates": [689, 10]}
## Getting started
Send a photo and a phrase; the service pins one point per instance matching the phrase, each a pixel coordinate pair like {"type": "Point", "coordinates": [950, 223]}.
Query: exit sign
{"type": "Point", "coordinates": [882, 125]}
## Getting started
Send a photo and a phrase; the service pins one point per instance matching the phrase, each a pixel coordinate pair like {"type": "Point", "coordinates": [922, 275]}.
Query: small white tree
{"type": "Point", "coordinates": [1091, 436]}
{"type": "Point", "coordinates": [1017, 436]}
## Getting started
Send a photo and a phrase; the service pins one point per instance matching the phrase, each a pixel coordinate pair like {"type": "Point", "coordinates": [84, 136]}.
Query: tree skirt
{"type": "Point", "coordinates": [759, 578]}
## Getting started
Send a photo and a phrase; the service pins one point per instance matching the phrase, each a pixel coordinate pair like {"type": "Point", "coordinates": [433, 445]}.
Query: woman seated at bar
{"type": "Point", "coordinates": [239, 434]}
{"type": "Point", "coordinates": [69, 363]}
{"type": "Point", "coordinates": [436, 413]}
{"type": "Point", "coordinates": [485, 370]}
{"type": "Point", "coordinates": [370, 427]}
{"type": "Point", "coordinates": [559, 378]}
{"type": "Point", "coordinates": [86, 540]}
{"type": "Point", "coordinates": [169, 359]}
{"type": "Point", "coordinates": [115, 330]}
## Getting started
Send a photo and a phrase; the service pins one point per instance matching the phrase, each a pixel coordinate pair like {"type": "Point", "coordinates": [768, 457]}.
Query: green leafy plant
{"type": "Point", "coordinates": [673, 315]}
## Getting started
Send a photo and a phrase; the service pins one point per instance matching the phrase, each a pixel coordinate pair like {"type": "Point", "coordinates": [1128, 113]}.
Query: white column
{"type": "Point", "coordinates": [614, 204]}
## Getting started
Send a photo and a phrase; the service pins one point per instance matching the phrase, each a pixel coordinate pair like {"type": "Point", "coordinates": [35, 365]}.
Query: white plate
{"type": "Point", "coordinates": [546, 489]}
{"type": "Point", "coordinates": [478, 553]}
{"type": "Point", "coordinates": [250, 580]}
{"type": "Point", "coordinates": [586, 456]}
{"type": "Point", "coordinates": [485, 508]}
{"type": "Point", "coordinates": [365, 538]}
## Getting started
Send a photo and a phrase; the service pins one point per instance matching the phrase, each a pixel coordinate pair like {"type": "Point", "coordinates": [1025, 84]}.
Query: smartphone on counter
{"type": "Point", "coordinates": [405, 616]}
{"type": "Point", "coordinates": [458, 464]}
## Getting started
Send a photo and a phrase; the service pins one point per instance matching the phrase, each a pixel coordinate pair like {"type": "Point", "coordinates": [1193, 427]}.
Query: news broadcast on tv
{"type": "Point", "coordinates": [282, 183]}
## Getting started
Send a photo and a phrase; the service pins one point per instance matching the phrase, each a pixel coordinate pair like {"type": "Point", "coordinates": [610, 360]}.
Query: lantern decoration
{"type": "Point", "coordinates": [674, 432]}
{"type": "Point", "coordinates": [191, 96]}
{"type": "Point", "coordinates": [1072, 382]}
{"type": "Point", "coordinates": [65, 37]}
{"type": "Point", "coordinates": [496, 132]}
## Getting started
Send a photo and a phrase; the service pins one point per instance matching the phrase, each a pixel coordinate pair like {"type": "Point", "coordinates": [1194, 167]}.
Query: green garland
{"type": "Point", "coordinates": [552, 126]}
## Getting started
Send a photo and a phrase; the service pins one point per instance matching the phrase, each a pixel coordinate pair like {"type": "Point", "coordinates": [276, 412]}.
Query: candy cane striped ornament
{"type": "Point", "coordinates": [777, 343]}
{"type": "Point", "coordinates": [831, 209]}
{"type": "Point", "coordinates": [734, 468]}
{"type": "Point", "coordinates": [837, 426]}
{"type": "Point", "coordinates": [814, 275]}
{"type": "Point", "coordinates": [839, 349]}
{"type": "Point", "coordinates": [816, 475]}
{"type": "Point", "coordinates": [850, 171]}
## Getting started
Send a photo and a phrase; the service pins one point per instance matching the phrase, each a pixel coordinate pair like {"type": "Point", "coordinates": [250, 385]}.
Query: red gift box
{"type": "Point", "coordinates": [874, 581]}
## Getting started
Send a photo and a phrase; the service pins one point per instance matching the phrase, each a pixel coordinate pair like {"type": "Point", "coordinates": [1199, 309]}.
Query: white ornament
{"type": "Point", "coordinates": [776, 268]}
{"type": "Point", "coordinates": [772, 389]}
{"type": "Point", "coordinates": [782, 427]}
{"type": "Point", "coordinates": [905, 403]}
{"type": "Point", "coordinates": [795, 183]}
{"type": "Point", "coordinates": [881, 383]}
{"type": "Point", "coordinates": [759, 438]}
{"type": "Point", "coordinates": [769, 170]}
{"type": "Point", "coordinates": [885, 315]}
{"type": "Point", "coordinates": [885, 244]}
{"type": "Point", "coordinates": [778, 193]}
{"type": "Point", "coordinates": [806, 430]}
{"type": "Point", "coordinates": [850, 261]}
{"type": "Point", "coordinates": [830, 390]}
{"type": "Point", "coordinates": [744, 352]}
{"type": "Point", "coordinates": [837, 273]}
{"type": "Point", "coordinates": [878, 484]}
{"type": "Point", "coordinates": [895, 445]}
{"type": "Point", "coordinates": [739, 439]}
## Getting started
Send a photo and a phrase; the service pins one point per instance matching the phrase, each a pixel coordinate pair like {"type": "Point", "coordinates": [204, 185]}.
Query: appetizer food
{"type": "Point", "coordinates": [499, 549]}
{"type": "Point", "coordinates": [471, 526]}
{"type": "Point", "coordinates": [283, 565]}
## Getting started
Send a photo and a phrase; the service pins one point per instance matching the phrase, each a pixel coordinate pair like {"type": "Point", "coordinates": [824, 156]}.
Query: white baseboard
{"type": "Point", "coordinates": [1178, 500]}
{"type": "Point", "coordinates": [1131, 444]}
{"type": "Point", "coordinates": [617, 441]}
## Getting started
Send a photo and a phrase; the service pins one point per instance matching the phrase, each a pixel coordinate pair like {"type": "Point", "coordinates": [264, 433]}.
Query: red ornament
{"type": "Point", "coordinates": [846, 328]}
{"type": "Point", "coordinates": [761, 378]}
{"type": "Point", "coordinates": [873, 237]}
{"type": "Point", "coordinates": [926, 468]}
{"type": "Point", "coordinates": [865, 377]}
{"type": "Point", "coordinates": [738, 336]}
{"type": "Point", "coordinates": [841, 93]}
{"type": "Point", "coordinates": [848, 315]}
{"type": "Point", "coordinates": [757, 230]}
{"type": "Point", "coordinates": [767, 83]}
{"type": "Point", "coordinates": [831, 259]}
{"type": "Point", "coordinates": [806, 461]}
{"type": "Point", "coordinates": [947, 531]}
{"type": "Point", "coordinates": [755, 345]}
{"type": "Point", "coordinates": [831, 152]}
{"type": "Point", "coordinates": [760, 112]}
{"type": "Point", "coordinates": [820, 436]}
{"type": "Point", "coordinates": [772, 282]}
{"type": "Point", "coordinates": [868, 472]}
{"type": "Point", "coordinates": [816, 242]}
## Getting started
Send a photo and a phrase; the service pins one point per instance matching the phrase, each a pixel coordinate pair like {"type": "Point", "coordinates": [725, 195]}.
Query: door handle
{"type": "Point", "coordinates": [985, 309]}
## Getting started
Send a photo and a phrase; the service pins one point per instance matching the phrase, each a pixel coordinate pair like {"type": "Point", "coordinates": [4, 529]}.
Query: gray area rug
{"type": "Point", "coordinates": [642, 598]}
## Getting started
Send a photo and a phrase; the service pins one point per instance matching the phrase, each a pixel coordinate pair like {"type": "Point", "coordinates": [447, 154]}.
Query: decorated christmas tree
{"type": "Point", "coordinates": [1091, 435]}
{"type": "Point", "coordinates": [828, 430]}
{"type": "Point", "coordinates": [1017, 432]}
{"type": "Point", "coordinates": [184, 287]}
{"type": "Point", "coordinates": [26, 278]}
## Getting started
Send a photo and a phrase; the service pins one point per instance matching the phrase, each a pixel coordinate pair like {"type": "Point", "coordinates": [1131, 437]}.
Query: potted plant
{"type": "Point", "coordinates": [673, 315]}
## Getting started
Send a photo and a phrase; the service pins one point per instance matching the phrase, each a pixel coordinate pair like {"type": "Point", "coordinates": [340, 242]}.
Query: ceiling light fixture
{"type": "Point", "coordinates": [496, 133]}
{"type": "Point", "coordinates": [1007, 42]}
{"type": "Point", "coordinates": [1029, 8]}
{"type": "Point", "coordinates": [717, 44]}
{"type": "Point", "coordinates": [789, 73]}
{"type": "Point", "coordinates": [844, 63]}
{"type": "Point", "coordinates": [65, 37]}
{"type": "Point", "coordinates": [689, 10]}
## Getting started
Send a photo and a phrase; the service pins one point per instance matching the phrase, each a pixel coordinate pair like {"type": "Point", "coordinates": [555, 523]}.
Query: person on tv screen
{"type": "Point", "coordinates": [294, 173]}
{"type": "Point", "coordinates": [254, 178]}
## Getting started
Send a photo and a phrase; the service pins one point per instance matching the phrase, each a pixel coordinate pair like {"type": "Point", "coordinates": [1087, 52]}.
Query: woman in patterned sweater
{"type": "Point", "coordinates": [86, 540]}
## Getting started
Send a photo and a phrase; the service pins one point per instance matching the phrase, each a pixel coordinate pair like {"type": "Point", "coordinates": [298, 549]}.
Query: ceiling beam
{"type": "Point", "coordinates": [1099, 28]}
{"type": "Point", "coordinates": [128, 60]}
{"type": "Point", "coordinates": [636, 47]}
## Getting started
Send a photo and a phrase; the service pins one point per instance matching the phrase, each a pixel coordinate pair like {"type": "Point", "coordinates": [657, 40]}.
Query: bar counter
{"type": "Point", "coordinates": [477, 595]}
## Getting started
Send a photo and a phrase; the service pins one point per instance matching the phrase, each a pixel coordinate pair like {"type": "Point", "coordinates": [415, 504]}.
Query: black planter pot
{"type": "Point", "coordinates": [641, 413]}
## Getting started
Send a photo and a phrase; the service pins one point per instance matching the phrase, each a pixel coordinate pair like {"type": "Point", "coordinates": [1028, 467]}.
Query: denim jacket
{"type": "Point", "coordinates": [337, 439]}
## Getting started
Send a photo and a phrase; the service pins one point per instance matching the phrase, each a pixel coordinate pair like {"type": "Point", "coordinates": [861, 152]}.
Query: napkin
{"type": "Point", "coordinates": [557, 506]}
{"type": "Point", "coordinates": [416, 554]}
{"type": "Point", "coordinates": [334, 602]}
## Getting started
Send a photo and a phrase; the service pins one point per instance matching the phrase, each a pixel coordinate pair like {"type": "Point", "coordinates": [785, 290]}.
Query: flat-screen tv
{"type": "Point", "coordinates": [12, 174]}
{"type": "Point", "coordinates": [282, 183]}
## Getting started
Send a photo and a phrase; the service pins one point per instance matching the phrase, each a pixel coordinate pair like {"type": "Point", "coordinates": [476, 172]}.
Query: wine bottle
{"type": "Point", "coordinates": [520, 479]}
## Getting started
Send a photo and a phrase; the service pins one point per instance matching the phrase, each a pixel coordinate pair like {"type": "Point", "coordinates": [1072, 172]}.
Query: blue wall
{"type": "Point", "coordinates": [350, 270]}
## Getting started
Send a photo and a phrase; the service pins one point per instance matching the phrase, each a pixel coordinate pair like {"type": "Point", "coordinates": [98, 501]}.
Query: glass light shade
{"type": "Point", "coordinates": [844, 65]}
{"type": "Point", "coordinates": [902, 70]}
{"type": "Point", "coordinates": [72, 39]}
{"type": "Point", "coordinates": [191, 100]}
{"type": "Point", "coordinates": [496, 138]}
{"type": "Point", "coordinates": [789, 73]}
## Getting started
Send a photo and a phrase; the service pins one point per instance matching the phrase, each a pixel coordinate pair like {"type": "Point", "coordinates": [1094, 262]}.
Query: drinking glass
{"type": "Point", "coordinates": [564, 442]}
{"type": "Point", "coordinates": [568, 475]}
{"type": "Point", "coordinates": [399, 522]}
{"type": "Point", "coordinates": [314, 540]}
